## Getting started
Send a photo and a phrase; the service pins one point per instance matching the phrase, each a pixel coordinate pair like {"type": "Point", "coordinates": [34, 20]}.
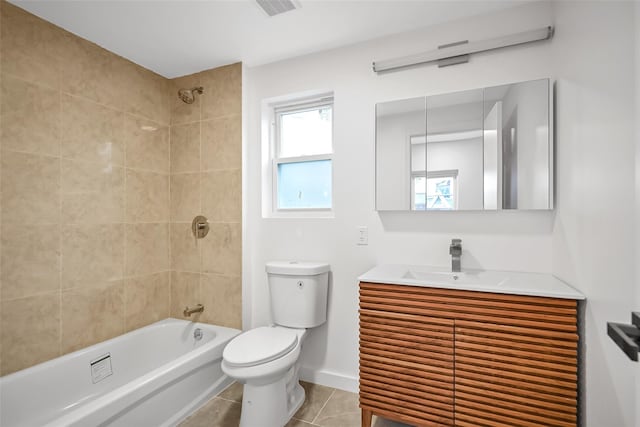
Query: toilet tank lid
{"type": "Point", "coordinates": [297, 268]}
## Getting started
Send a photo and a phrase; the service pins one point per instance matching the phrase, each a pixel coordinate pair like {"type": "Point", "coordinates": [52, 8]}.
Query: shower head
{"type": "Point", "coordinates": [188, 96]}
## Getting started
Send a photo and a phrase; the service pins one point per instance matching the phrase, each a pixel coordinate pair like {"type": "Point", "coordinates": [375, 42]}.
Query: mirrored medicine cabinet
{"type": "Point", "coordinates": [481, 149]}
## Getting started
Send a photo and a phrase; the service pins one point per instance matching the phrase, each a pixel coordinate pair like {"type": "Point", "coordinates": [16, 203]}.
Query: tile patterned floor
{"type": "Point", "coordinates": [323, 407]}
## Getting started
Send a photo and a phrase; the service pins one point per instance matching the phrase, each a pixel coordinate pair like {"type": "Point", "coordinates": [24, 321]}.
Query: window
{"type": "Point", "coordinates": [302, 155]}
{"type": "Point", "coordinates": [437, 190]}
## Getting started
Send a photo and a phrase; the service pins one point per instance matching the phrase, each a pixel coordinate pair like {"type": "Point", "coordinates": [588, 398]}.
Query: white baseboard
{"type": "Point", "coordinates": [330, 379]}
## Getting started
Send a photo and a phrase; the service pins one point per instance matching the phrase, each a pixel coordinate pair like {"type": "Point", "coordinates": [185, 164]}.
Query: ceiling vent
{"type": "Point", "coordinates": [276, 7]}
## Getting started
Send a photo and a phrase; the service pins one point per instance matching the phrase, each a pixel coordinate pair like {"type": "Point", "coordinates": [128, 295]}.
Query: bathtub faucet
{"type": "Point", "coordinates": [199, 308]}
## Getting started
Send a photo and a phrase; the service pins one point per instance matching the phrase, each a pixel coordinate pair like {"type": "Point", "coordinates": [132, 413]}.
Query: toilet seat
{"type": "Point", "coordinates": [259, 346]}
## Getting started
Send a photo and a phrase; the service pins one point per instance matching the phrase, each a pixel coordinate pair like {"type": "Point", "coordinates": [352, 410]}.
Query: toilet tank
{"type": "Point", "coordinates": [298, 293]}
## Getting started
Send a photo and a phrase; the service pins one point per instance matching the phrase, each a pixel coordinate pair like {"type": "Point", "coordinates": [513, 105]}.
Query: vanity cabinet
{"type": "Point", "coordinates": [442, 357]}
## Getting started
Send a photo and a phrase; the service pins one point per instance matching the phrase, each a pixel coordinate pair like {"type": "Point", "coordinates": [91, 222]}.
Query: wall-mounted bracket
{"type": "Point", "coordinates": [627, 337]}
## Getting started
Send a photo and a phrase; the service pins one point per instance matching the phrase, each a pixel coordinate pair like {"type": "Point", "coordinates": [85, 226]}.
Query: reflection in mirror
{"type": "Point", "coordinates": [479, 149]}
{"type": "Point", "coordinates": [517, 153]}
{"type": "Point", "coordinates": [396, 122]}
{"type": "Point", "coordinates": [447, 168]}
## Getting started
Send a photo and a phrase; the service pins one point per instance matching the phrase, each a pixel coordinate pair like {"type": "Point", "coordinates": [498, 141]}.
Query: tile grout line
{"type": "Point", "coordinates": [124, 249]}
{"type": "Point", "coordinates": [323, 406]}
{"type": "Point", "coordinates": [199, 244]}
{"type": "Point", "coordinates": [60, 256]}
{"type": "Point", "coordinates": [169, 126]}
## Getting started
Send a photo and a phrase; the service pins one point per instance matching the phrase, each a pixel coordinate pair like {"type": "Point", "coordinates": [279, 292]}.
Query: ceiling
{"type": "Point", "coordinates": [175, 38]}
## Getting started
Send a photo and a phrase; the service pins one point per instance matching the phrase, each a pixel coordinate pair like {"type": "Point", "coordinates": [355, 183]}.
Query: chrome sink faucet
{"type": "Point", "coordinates": [455, 250]}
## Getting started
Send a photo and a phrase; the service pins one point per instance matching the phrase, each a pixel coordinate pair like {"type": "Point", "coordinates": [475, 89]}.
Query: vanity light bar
{"type": "Point", "coordinates": [450, 54]}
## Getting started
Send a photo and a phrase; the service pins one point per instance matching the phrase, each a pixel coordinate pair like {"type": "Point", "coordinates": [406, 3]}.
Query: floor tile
{"type": "Point", "coordinates": [216, 413]}
{"type": "Point", "coordinates": [341, 410]}
{"type": "Point", "coordinates": [233, 392]}
{"type": "Point", "coordinates": [315, 399]}
{"type": "Point", "coordinates": [299, 423]}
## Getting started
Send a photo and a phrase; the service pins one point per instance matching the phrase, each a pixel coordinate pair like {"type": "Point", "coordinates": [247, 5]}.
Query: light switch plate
{"type": "Point", "coordinates": [363, 235]}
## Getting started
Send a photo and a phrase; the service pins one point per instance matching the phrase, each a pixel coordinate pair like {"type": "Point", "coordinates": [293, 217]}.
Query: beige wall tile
{"type": "Point", "coordinates": [91, 132]}
{"type": "Point", "coordinates": [30, 331]}
{"type": "Point", "coordinates": [181, 112]}
{"type": "Point", "coordinates": [147, 249]}
{"type": "Point", "coordinates": [92, 192]}
{"type": "Point", "coordinates": [185, 196]}
{"type": "Point", "coordinates": [222, 249]}
{"type": "Point", "coordinates": [91, 315]}
{"type": "Point", "coordinates": [185, 148]}
{"type": "Point", "coordinates": [222, 195]}
{"type": "Point", "coordinates": [185, 291]}
{"type": "Point", "coordinates": [30, 119]}
{"type": "Point", "coordinates": [147, 144]}
{"type": "Point", "coordinates": [146, 299]}
{"type": "Point", "coordinates": [140, 91]}
{"type": "Point", "coordinates": [147, 196]}
{"type": "Point", "coordinates": [223, 91]}
{"type": "Point", "coordinates": [92, 254]}
{"type": "Point", "coordinates": [222, 144]}
{"type": "Point", "coordinates": [30, 260]}
{"type": "Point", "coordinates": [30, 47]}
{"type": "Point", "coordinates": [185, 249]}
{"type": "Point", "coordinates": [30, 189]}
{"type": "Point", "coordinates": [88, 71]}
{"type": "Point", "coordinates": [222, 299]}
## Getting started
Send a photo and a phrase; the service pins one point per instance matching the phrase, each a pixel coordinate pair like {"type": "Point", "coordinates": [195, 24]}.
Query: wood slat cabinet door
{"type": "Point", "coordinates": [507, 375]}
{"type": "Point", "coordinates": [406, 367]}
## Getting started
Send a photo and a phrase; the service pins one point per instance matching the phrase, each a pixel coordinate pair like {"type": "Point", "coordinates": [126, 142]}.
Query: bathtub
{"type": "Point", "coordinates": [153, 376]}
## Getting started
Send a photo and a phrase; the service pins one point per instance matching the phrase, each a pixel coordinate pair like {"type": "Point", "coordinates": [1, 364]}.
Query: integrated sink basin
{"type": "Point", "coordinates": [465, 278]}
{"type": "Point", "coordinates": [504, 282]}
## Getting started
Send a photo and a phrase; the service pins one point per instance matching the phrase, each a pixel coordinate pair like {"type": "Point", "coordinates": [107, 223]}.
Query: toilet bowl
{"type": "Point", "coordinates": [266, 360]}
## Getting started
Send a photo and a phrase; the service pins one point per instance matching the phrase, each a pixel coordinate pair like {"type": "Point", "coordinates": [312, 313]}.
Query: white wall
{"type": "Point", "coordinates": [593, 242]}
{"type": "Point", "coordinates": [492, 240]}
{"type": "Point", "coordinates": [637, 213]}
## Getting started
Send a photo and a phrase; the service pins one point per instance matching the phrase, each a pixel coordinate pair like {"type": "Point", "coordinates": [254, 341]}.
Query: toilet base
{"type": "Point", "coordinates": [271, 405]}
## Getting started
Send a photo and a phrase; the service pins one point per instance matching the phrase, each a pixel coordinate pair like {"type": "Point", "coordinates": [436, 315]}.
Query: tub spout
{"type": "Point", "coordinates": [199, 308]}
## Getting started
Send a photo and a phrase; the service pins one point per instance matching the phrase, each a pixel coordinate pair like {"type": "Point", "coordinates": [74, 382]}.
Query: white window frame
{"type": "Point", "coordinates": [276, 112]}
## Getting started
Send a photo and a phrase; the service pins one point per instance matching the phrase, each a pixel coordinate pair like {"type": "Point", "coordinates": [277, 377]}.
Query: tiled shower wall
{"type": "Point", "coordinates": [206, 159]}
{"type": "Point", "coordinates": [85, 207]}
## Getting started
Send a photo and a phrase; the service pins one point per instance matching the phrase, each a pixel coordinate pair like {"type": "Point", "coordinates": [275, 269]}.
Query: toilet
{"type": "Point", "coordinates": [266, 359]}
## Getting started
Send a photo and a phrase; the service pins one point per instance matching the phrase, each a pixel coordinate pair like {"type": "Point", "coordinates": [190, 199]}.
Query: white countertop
{"type": "Point", "coordinates": [501, 282]}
